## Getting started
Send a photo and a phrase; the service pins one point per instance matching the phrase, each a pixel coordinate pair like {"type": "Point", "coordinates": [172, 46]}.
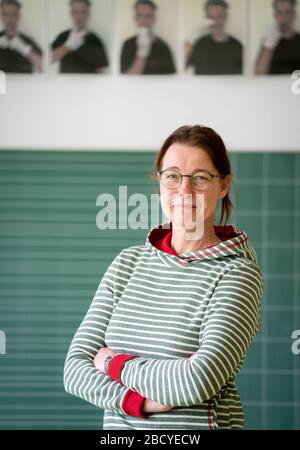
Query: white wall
{"type": "Point", "coordinates": [137, 113]}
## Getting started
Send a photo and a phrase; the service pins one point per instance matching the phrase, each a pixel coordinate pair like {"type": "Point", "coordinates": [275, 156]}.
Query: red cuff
{"type": "Point", "coordinates": [132, 404]}
{"type": "Point", "coordinates": [116, 364]}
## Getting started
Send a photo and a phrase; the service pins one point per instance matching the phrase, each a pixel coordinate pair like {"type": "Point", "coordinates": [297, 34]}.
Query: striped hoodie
{"type": "Point", "coordinates": [154, 309]}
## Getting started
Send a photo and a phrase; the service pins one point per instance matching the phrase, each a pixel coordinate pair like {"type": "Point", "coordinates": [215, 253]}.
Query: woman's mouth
{"type": "Point", "coordinates": [184, 206]}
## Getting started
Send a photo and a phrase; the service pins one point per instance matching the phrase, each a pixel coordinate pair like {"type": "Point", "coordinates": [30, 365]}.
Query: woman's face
{"type": "Point", "coordinates": [179, 204]}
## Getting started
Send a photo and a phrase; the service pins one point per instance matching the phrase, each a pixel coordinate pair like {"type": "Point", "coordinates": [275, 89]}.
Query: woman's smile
{"type": "Point", "coordinates": [184, 206]}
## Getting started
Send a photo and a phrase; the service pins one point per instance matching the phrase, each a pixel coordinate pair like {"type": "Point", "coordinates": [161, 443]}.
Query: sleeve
{"type": "Point", "coordinates": [37, 49]}
{"type": "Point", "coordinates": [81, 378]}
{"type": "Point", "coordinates": [240, 58]}
{"type": "Point", "coordinates": [191, 61]}
{"type": "Point", "coordinates": [93, 52]}
{"type": "Point", "coordinates": [231, 324]}
{"type": "Point", "coordinates": [31, 42]}
{"type": "Point", "coordinates": [167, 66]}
{"type": "Point", "coordinates": [127, 55]}
{"type": "Point", "coordinates": [60, 40]}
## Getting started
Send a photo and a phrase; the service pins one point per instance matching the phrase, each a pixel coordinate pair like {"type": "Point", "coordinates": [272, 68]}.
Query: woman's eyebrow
{"type": "Point", "coordinates": [173, 167]}
{"type": "Point", "coordinates": [195, 170]}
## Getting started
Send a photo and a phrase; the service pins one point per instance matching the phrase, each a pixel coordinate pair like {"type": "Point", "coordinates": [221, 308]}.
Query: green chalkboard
{"type": "Point", "coordinates": [52, 257]}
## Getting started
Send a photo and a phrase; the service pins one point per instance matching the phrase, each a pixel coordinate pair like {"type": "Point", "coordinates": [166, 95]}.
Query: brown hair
{"type": "Point", "coordinates": [145, 2]}
{"type": "Point", "coordinates": [292, 2]}
{"type": "Point", "coordinates": [221, 3]}
{"type": "Point", "coordinates": [85, 2]}
{"type": "Point", "coordinates": [207, 139]}
{"type": "Point", "coordinates": [15, 3]}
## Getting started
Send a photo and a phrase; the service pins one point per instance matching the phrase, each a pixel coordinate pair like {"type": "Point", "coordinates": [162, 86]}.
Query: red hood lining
{"type": "Point", "coordinates": [224, 232]}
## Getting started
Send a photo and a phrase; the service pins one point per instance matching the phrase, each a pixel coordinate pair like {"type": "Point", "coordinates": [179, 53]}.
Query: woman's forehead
{"type": "Point", "coordinates": [185, 154]}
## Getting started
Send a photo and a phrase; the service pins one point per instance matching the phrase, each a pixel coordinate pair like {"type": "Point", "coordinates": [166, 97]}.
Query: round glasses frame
{"type": "Point", "coordinates": [206, 184]}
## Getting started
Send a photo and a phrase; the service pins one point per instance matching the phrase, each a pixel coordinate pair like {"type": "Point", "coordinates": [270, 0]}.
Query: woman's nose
{"type": "Point", "coordinates": [185, 186]}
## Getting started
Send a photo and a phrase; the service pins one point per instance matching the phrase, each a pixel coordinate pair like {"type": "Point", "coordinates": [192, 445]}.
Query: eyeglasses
{"type": "Point", "coordinates": [200, 180]}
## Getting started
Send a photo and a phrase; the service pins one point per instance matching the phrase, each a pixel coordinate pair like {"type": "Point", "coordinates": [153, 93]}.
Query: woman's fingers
{"type": "Point", "coordinates": [101, 356]}
{"type": "Point", "coordinates": [150, 406]}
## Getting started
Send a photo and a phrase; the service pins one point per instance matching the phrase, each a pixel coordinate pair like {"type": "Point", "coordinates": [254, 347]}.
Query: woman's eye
{"type": "Point", "coordinates": [199, 178]}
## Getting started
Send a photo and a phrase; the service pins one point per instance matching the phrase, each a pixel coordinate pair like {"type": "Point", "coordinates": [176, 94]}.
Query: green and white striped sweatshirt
{"type": "Point", "coordinates": [162, 308]}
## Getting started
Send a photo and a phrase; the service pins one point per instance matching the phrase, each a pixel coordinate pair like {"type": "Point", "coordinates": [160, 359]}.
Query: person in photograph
{"type": "Point", "coordinates": [280, 50]}
{"type": "Point", "coordinates": [210, 50]}
{"type": "Point", "coordinates": [18, 52]}
{"type": "Point", "coordinates": [173, 318]}
{"type": "Point", "coordinates": [78, 50]}
{"type": "Point", "coordinates": [145, 53]}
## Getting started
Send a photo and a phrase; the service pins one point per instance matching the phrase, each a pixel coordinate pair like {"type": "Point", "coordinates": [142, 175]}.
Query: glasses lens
{"type": "Point", "coordinates": [171, 179]}
{"type": "Point", "coordinates": [201, 180]}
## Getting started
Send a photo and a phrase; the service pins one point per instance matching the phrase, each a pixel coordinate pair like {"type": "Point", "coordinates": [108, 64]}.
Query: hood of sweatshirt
{"type": "Point", "coordinates": [235, 244]}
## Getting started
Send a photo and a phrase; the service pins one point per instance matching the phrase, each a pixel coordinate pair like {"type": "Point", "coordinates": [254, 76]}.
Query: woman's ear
{"type": "Point", "coordinates": [225, 185]}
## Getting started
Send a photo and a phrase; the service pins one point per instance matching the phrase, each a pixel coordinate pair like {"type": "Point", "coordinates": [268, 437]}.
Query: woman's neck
{"type": "Point", "coordinates": [182, 243]}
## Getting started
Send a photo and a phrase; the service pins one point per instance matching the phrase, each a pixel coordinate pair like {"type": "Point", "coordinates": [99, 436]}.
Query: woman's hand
{"type": "Point", "coordinates": [150, 406]}
{"type": "Point", "coordinates": [101, 356]}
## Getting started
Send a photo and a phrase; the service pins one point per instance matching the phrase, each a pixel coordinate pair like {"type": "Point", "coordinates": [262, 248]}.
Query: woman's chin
{"type": "Point", "coordinates": [187, 224]}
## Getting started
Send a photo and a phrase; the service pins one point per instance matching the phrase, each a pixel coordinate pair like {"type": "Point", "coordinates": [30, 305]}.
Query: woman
{"type": "Point", "coordinates": [172, 320]}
